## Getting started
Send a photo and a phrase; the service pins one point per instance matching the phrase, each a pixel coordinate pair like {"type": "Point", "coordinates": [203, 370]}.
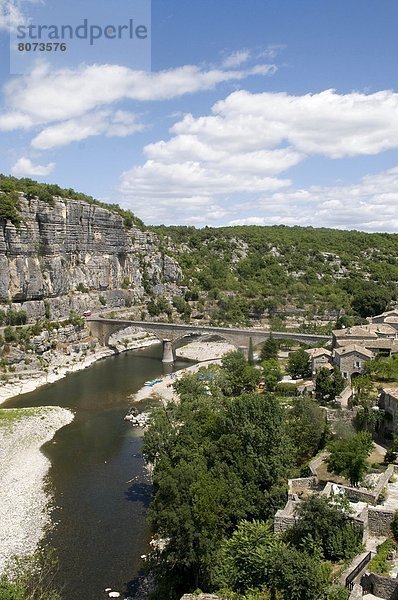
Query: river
{"type": "Point", "coordinates": [97, 478]}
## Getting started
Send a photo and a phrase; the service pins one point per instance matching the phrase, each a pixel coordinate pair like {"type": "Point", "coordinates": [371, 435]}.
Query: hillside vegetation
{"type": "Point", "coordinates": [246, 271]}
{"type": "Point", "coordinates": [244, 274]}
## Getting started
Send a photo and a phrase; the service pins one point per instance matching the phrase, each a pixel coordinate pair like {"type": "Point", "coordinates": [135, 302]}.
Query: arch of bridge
{"type": "Point", "coordinates": [104, 328]}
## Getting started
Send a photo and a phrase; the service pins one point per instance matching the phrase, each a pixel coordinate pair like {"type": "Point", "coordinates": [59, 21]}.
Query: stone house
{"type": "Point", "coordinates": [351, 359]}
{"type": "Point", "coordinates": [388, 401]}
{"type": "Point", "coordinates": [352, 335]}
{"type": "Point", "coordinates": [320, 357]}
{"type": "Point", "coordinates": [379, 338]}
{"type": "Point", "coordinates": [390, 317]}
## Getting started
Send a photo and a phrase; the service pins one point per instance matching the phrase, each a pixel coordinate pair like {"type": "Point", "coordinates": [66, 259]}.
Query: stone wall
{"type": "Point", "coordinates": [302, 484]}
{"type": "Point", "coordinates": [345, 396]}
{"type": "Point", "coordinates": [340, 415]}
{"type": "Point", "coordinates": [382, 587]}
{"type": "Point", "coordinates": [284, 517]}
{"type": "Point", "coordinates": [316, 462]}
{"type": "Point", "coordinates": [379, 521]}
{"type": "Point", "coordinates": [369, 496]}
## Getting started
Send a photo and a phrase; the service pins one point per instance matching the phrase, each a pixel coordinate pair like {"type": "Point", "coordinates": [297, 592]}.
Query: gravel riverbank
{"type": "Point", "coordinates": [61, 367]}
{"type": "Point", "coordinates": [24, 499]}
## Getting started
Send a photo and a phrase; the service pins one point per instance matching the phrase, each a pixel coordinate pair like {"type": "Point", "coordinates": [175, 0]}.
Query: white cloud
{"type": "Point", "coordinates": [370, 205]}
{"type": "Point", "coordinates": [236, 59]}
{"type": "Point", "coordinates": [327, 123]}
{"type": "Point", "coordinates": [118, 124]}
{"type": "Point", "coordinates": [12, 13]}
{"type": "Point", "coordinates": [250, 140]}
{"type": "Point", "coordinates": [25, 168]}
{"type": "Point", "coordinates": [46, 95]}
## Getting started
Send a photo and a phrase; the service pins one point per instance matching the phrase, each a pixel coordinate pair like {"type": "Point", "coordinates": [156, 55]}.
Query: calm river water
{"type": "Point", "coordinates": [97, 477]}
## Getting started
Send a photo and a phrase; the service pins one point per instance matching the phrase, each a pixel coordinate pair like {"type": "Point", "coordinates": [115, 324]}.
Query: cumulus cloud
{"type": "Point", "coordinates": [248, 143]}
{"type": "Point", "coordinates": [328, 123]}
{"type": "Point", "coordinates": [118, 124]}
{"type": "Point", "coordinates": [370, 205]}
{"type": "Point", "coordinates": [25, 168]}
{"type": "Point", "coordinates": [44, 95]}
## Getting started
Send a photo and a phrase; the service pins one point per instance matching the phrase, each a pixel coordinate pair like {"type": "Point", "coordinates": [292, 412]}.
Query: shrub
{"type": "Point", "coordinates": [379, 564]}
{"type": "Point", "coordinates": [286, 389]}
{"type": "Point", "coordinates": [10, 335]}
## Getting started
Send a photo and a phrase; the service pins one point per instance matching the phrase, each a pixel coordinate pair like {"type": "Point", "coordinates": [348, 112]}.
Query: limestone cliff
{"type": "Point", "coordinates": [72, 254]}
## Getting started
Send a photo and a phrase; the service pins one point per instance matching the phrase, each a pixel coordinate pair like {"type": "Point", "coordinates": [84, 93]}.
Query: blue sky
{"type": "Point", "coordinates": [253, 111]}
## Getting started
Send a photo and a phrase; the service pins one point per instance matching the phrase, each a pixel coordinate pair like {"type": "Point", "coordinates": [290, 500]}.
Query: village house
{"type": "Point", "coordinates": [351, 360]}
{"type": "Point", "coordinates": [379, 338]}
{"type": "Point", "coordinates": [390, 317]}
{"type": "Point", "coordinates": [320, 357]}
{"type": "Point", "coordinates": [352, 335]}
{"type": "Point", "coordinates": [388, 401]}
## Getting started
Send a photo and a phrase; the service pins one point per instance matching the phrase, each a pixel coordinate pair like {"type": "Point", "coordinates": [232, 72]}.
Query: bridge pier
{"type": "Point", "coordinates": [245, 351]}
{"type": "Point", "coordinates": [168, 352]}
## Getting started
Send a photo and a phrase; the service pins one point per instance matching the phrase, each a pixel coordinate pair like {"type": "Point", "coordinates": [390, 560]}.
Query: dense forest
{"type": "Point", "coordinates": [245, 272]}
{"type": "Point", "coordinates": [221, 458]}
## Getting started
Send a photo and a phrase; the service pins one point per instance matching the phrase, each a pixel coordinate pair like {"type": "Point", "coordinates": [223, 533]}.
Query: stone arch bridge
{"type": "Point", "coordinates": [169, 334]}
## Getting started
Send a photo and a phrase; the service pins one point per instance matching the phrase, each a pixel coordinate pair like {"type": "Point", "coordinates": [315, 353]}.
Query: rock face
{"type": "Point", "coordinates": [60, 252]}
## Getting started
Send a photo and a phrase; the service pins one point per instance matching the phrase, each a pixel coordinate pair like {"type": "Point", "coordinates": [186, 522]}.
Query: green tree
{"type": "Point", "coordinates": [306, 427]}
{"type": "Point", "coordinates": [392, 451]}
{"type": "Point", "coordinates": [239, 375]}
{"type": "Point", "coordinates": [297, 575]}
{"type": "Point", "coordinates": [394, 526]}
{"type": "Point", "coordinates": [9, 207]}
{"type": "Point", "coordinates": [328, 384]}
{"type": "Point", "coordinates": [349, 457]}
{"type": "Point", "coordinates": [323, 525]}
{"type": "Point", "coordinates": [30, 577]}
{"type": "Point", "coordinates": [299, 364]}
{"type": "Point", "coordinates": [216, 461]}
{"type": "Point", "coordinates": [272, 373]}
{"type": "Point", "coordinates": [269, 349]}
{"type": "Point", "coordinates": [243, 557]}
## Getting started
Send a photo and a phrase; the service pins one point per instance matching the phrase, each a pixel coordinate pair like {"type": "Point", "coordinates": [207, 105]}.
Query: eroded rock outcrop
{"type": "Point", "coordinates": [62, 252]}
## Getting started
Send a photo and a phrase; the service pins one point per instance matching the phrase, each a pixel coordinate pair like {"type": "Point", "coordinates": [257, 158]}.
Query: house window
{"type": "Point", "coordinates": [345, 375]}
{"type": "Point", "coordinates": [357, 364]}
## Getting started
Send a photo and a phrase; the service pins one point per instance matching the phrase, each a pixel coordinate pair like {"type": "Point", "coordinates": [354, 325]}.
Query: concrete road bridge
{"type": "Point", "coordinates": [169, 334]}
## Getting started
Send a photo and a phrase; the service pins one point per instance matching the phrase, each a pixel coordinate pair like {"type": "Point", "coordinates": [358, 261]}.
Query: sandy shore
{"type": "Point", "coordinates": [24, 503]}
{"type": "Point", "coordinates": [201, 351]}
{"type": "Point", "coordinates": [205, 353]}
{"type": "Point", "coordinates": [61, 367]}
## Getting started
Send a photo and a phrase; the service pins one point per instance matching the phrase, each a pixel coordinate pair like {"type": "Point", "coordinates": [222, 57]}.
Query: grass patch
{"type": "Point", "coordinates": [380, 563]}
{"type": "Point", "coordinates": [9, 416]}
